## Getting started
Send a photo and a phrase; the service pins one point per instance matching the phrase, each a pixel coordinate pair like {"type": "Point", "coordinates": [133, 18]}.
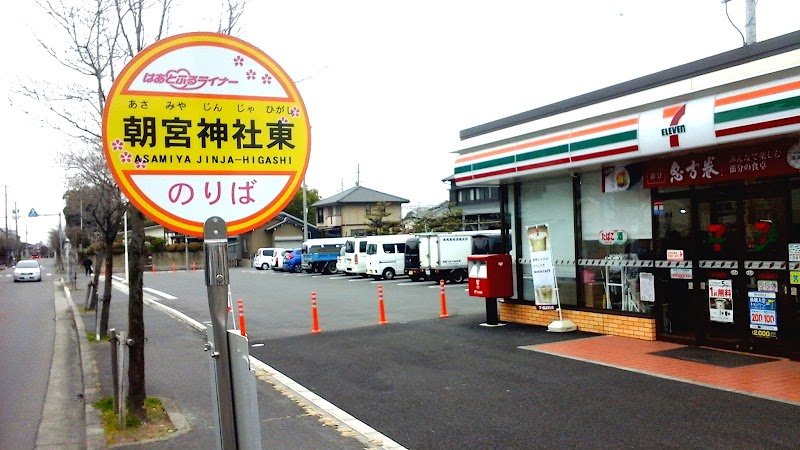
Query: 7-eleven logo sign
{"type": "Point", "coordinates": [675, 114]}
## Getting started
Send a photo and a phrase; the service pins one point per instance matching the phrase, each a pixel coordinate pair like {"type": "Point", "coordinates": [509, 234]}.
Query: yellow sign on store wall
{"type": "Point", "coordinates": [204, 124]}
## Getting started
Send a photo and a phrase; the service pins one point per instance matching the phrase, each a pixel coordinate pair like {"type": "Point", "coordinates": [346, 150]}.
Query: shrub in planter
{"type": "Point", "coordinates": [195, 246]}
{"type": "Point", "coordinates": [158, 244]}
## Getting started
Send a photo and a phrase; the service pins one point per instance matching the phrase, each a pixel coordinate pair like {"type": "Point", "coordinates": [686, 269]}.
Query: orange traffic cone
{"type": "Point", "coordinates": [314, 317]}
{"type": "Point", "coordinates": [381, 311]}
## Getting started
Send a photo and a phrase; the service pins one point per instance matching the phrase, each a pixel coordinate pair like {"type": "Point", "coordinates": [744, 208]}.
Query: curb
{"type": "Point", "coordinates": [95, 436]}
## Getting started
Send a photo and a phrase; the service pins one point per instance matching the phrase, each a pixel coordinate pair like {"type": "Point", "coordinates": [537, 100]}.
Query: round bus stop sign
{"type": "Point", "coordinates": [204, 124]}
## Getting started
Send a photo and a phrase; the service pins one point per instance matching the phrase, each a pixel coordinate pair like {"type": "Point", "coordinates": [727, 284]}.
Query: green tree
{"type": "Point", "coordinates": [295, 207]}
{"type": "Point", "coordinates": [449, 219]}
{"type": "Point", "coordinates": [376, 216]}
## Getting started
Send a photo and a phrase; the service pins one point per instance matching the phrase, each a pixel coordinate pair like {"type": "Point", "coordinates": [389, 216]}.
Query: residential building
{"type": "Point", "coordinates": [480, 205]}
{"type": "Point", "coordinates": [347, 213]}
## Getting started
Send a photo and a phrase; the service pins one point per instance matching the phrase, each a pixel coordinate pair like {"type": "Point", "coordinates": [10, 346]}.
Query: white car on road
{"type": "Point", "coordinates": [27, 270]}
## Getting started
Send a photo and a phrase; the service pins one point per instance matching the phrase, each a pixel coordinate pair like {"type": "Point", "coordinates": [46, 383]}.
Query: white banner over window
{"type": "Point", "coordinates": [544, 279]}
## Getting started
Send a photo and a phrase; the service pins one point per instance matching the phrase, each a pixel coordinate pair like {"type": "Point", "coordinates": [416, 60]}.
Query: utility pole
{"type": "Point", "coordinates": [750, 22]}
{"type": "Point", "coordinates": [305, 212]}
{"type": "Point", "coordinates": [5, 213]}
{"type": "Point", "coordinates": [15, 212]}
{"type": "Point", "coordinates": [59, 251]}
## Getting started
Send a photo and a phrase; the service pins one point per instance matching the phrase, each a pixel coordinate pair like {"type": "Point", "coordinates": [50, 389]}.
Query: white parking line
{"type": "Point", "coordinates": [160, 294]}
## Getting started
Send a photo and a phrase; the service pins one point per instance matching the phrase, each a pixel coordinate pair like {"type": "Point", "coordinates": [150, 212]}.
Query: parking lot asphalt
{"type": "Point", "coordinates": [452, 383]}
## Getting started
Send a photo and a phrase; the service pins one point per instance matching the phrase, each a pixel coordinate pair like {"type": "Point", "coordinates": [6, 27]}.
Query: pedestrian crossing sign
{"type": "Point", "coordinates": [33, 213]}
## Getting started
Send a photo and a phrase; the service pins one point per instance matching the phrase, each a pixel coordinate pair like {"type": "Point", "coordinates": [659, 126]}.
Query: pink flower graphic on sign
{"type": "Point", "coordinates": [117, 145]}
{"type": "Point", "coordinates": [140, 165]}
{"type": "Point", "coordinates": [294, 112]}
{"type": "Point", "coordinates": [238, 61]}
{"type": "Point", "coordinates": [283, 119]}
{"type": "Point", "coordinates": [125, 157]}
{"type": "Point", "coordinates": [266, 79]}
{"type": "Point", "coordinates": [251, 74]}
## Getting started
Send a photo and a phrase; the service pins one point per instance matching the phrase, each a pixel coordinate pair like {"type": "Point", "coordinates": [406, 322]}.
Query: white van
{"type": "Point", "coordinates": [355, 252]}
{"type": "Point", "coordinates": [340, 261]}
{"type": "Point", "coordinates": [386, 255]}
{"type": "Point", "coordinates": [280, 254]}
{"type": "Point", "coordinates": [264, 258]}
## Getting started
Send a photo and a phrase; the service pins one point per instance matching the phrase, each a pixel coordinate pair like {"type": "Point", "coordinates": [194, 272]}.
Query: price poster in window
{"type": "Point", "coordinates": [763, 314]}
{"type": "Point", "coordinates": [720, 301]}
{"type": "Point", "coordinates": [647, 287]}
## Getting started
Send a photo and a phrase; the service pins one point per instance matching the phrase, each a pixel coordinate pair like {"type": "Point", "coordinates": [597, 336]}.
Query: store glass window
{"type": "Point", "coordinates": [550, 202]}
{"type": "Point", "coordinates": [616, 237]}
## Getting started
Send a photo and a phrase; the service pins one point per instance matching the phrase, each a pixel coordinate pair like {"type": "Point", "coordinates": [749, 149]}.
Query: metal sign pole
{"type": "Point", "coordinates": [215, 234]}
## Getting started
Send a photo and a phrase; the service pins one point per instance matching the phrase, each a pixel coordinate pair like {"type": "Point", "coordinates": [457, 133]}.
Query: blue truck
{"type": "Point", "coordinates": [319, 255]}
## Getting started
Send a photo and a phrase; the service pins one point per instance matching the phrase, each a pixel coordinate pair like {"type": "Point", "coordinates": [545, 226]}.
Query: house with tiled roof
{"type": "Point", "coordinates": [347, 213]}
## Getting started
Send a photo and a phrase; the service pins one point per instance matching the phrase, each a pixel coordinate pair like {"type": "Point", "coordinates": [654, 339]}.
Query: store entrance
{"type": "Point", "coordinates": [742, 236]}
{"type": "Point", "coordinates": [677, 309]}
{"type": "Point", "coordinates": [727, 266]}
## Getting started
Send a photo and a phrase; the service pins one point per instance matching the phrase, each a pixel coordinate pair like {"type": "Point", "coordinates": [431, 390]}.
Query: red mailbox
{"type": "Point", "coordinates": [490, 276]}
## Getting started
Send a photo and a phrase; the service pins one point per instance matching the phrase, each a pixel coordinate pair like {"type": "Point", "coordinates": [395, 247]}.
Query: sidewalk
{"type": "Point", "coordinates": [177, 371]}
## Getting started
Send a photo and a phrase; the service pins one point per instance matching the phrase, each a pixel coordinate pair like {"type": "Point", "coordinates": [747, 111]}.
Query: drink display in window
{"type": "Point", "coordinates": [544, 282]}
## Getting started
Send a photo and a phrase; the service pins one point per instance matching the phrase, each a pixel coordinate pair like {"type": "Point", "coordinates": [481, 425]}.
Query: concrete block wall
{"type": "Point", "coordinates": [594, 322]}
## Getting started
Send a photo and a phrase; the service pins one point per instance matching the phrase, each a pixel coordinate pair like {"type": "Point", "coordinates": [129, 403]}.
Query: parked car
{"type": "Point", "coordinates": [385, 255]}
{"type": "Point", "coordinates": [277, 260]}
{"type": "Point", "coordinates": [293, 261]}
{"type": "Point", "coordinates": [264, 258]}
{"type": "Point", "coordinates": [355, 262]}
{"type": "Point", "coordinates": [340, 261]}
{"type": "Point", "coordinates": [27, 270]}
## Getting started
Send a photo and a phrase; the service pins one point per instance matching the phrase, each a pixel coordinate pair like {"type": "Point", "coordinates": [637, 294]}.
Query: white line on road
{"type": "Point", "coordinates": [160, 294]}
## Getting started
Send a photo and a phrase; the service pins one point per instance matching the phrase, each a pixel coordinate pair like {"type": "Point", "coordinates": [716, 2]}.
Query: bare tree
{"type": "Point", "coordinates": [101, 208]}
{"type": "Point", "coordinates": [100, 38]}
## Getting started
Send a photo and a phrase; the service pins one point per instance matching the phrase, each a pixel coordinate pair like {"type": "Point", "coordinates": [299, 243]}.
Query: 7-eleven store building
{"type": "Point", "coordinates": [670, 203]}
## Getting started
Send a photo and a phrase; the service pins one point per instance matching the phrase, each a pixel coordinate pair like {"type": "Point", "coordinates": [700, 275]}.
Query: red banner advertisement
{"type": "Point", "coordinates": [714, 166]}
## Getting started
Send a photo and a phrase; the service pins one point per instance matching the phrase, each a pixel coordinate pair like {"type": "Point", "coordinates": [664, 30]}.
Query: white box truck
{"type": "Point", "coordinates": [445, 255]}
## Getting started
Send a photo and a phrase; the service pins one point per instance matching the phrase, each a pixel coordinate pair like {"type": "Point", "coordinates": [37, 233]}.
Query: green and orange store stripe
{"type": "Point", "coordinates": [745, 112]}
{"type": "Point", "coordinates": [609, 139]}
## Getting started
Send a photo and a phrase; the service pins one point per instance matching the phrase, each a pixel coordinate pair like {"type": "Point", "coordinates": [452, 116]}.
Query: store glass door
{"type": "Point", "coordinates": [765, 266]}
{"type": "Point", "coordinates": [676, 318]}
{"type": "Point", "coordinates": [742, 265]}
{"type": "Point", "coordinates": [721, 289]}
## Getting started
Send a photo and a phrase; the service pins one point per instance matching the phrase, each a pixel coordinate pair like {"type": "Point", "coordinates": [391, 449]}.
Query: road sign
{"type": "Point", "coordinates": [204, 124]}
{"type": "Point", "coordinates": [33, 213]}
